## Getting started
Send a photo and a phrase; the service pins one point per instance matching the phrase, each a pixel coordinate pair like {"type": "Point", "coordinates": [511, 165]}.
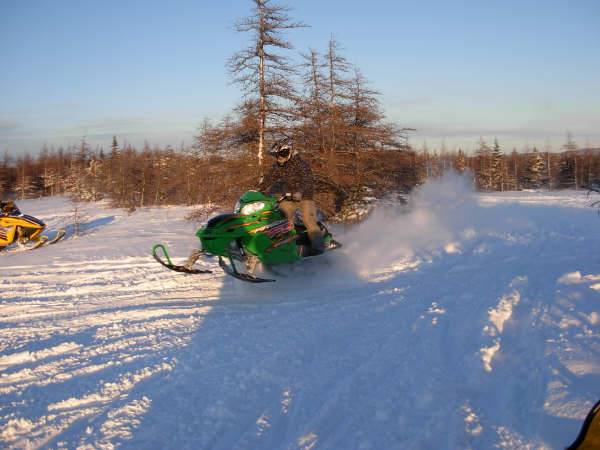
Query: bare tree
{"type": "Point", "coordinates": [313, 108]}
{"type": "Point", "coordinates": [337, 68]}
{"type": "Point", "coordinates": [264, 73]}
{"type": "Point", "coordinates": [569, 166]}
{"type": "Point", "coordinates": [6, 181]}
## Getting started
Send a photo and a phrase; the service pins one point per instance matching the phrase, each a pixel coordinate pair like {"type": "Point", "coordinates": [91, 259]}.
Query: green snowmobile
{"type": "Point", "coordinates": [256, 232]}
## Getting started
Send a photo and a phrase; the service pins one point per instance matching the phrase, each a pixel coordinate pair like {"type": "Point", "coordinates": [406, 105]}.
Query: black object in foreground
{"type": "Point", "coordinates": [589, 436]}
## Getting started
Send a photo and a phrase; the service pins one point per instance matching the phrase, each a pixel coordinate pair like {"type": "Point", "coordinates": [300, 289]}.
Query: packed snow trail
{"type": "Point", "coordinates": [470, 321]}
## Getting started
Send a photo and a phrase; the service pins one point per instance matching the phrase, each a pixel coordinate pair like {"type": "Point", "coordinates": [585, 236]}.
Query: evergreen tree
{"type": "Point", "coordinates": [460, 162]}
{"type": "Point", "coordinates": [535, 169]}
{"type": "Point", "coordinates": [497, 167]}
{"type": "Point", "coordinates": [569, 145]}
{"type": "Point", "coordinates": [94, 176]}
{"type": "Point", "coordinates": [5, 185]}
{"type": "Point", "coordinates": [27, 182]}
{"type": "Point", "coordinates": [114, 148]}
{"type": "Point", "coordinates": [426, 162]}
{"type": "Point", "coordinates": [116, 175]}
{"type": "Point", "coordinates": [568, 173]}
{"type": "Point", "coordinates": [483, 170]}
{"type": "Point", "coordinates": [513, 181]}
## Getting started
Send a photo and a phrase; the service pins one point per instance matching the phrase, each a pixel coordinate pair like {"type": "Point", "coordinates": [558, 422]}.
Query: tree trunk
{"type": "Point", "coordinates": [262, 99]}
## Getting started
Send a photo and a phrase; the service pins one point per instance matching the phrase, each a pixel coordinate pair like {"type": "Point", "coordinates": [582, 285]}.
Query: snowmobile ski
{"type": "Point", "coordinates": [169, 264]}
{"type": "Point", "coordinates": [59, 235]}
{"type": "Point", "coordinates": [231, 270]}
{"type": "Point", "coordinates": [43, 241]}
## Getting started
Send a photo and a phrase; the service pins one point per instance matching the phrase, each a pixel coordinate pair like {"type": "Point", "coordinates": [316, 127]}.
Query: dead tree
{"type": "Point", "coordinates": [263, 72]}
{"type": "Point", "coordinates": [337, 68]}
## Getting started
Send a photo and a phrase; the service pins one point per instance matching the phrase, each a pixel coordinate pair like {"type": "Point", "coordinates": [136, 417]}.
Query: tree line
{"type": "Point", "coordinates": [317, 97]}
{"type": "Point", "coordinates": [494, 170]}
{"type": "Point", "coordinates": [131, 177]}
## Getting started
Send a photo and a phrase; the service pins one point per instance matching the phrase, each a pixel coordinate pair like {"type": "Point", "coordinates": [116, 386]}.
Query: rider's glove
{"type": "Point", "coordinates": [297, 196]}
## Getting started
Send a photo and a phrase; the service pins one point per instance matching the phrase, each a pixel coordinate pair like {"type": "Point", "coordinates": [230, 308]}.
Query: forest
{"type": "Point", "coordinates": [217, 170]}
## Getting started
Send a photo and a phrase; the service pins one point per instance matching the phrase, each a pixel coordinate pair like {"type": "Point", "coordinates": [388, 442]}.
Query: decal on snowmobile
{"type": "Point", "coordinates": [281, 242]}
{"type": "Point", "coordinates": [279, 227]}
{"type": "Point", "coordinates": [247, 224]}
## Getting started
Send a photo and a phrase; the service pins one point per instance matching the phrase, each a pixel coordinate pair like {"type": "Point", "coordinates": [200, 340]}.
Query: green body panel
{"type": "Point", "coordinates": [264, 233]}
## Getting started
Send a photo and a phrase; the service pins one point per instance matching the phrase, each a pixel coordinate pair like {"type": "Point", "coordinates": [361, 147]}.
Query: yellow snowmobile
{"type": "Point", "coordinates": [21, 229]}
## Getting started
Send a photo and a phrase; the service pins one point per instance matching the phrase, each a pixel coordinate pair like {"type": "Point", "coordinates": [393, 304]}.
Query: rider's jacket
{"type": "Point", "coordinates": [293, 176]}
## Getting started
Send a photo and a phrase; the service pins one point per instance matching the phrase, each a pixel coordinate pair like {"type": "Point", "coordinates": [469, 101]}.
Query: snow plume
{"type": "Point", "coordinates": [397, 236]}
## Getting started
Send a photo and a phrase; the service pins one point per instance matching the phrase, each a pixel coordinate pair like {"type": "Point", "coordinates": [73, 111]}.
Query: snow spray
{"type": "Point", "coordinates": [436, 215]}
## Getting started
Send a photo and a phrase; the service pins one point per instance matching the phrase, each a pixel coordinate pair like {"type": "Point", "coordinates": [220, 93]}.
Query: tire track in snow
{"type": "Point", "coordinates": [81, 326]}
{"type": "Point", "coordinates": [20, 433]}
{"type": "Point", "coordinates": [362, 358]}
{"type": "Point", "coordinates": [389, 361]}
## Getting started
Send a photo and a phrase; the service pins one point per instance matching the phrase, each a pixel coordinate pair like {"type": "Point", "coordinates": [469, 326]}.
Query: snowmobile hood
{"type": "Point", "coordinates": [222, 219]}
{"type": "Point", "coordinates": [22, 220]}
{"type": "Point", "coordinates": [33, 220]}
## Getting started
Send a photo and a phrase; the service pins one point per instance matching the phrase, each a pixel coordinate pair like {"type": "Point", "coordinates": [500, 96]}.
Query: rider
{"type": "Point", "coordinates": [292, 178]}
{"type": "Point", "coordinates": [8, 207]}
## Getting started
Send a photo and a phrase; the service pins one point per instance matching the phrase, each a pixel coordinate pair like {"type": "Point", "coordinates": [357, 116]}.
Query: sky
{"type": "Point", "coordinates": [525, 72]}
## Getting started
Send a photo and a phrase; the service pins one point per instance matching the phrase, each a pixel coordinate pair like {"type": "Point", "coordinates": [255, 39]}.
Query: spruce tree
{"type": "Point", "coordinates": [497, 167]}
{"type": "Point", "coordinates": [460, 162]}
{"type": "Point", "coordinates": [535, 169]}
{"type": "Point", "coordinates": [568, 175]}
{"type": "Point", "coordinates": [483, 171]}
{"type": "Point", "coordinates": [4, 177]}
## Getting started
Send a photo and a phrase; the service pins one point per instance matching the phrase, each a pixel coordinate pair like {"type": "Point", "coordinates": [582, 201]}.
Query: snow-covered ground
{"type": "Point", "coordinates": [470, 321]}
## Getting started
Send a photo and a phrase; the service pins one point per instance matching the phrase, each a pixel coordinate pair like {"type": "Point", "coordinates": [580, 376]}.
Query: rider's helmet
{"type": "Point", "coordinates": [282, 150]}
{"type": "Point", "coordinates": [7, 206]}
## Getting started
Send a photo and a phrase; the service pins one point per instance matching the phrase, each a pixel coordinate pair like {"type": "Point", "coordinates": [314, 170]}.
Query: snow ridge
{"type": "Point", "coordinates": [497, 318]}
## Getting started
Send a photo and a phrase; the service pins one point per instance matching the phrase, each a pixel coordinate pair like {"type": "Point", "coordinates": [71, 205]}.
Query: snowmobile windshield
{"type": "Point", "coordinates": [252, 208]}
{"type": "Point", "coordinates": [253, 202]}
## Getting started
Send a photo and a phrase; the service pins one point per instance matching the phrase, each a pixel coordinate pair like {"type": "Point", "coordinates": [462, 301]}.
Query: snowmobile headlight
{"type": "Point", "coordinates": [252, 208]}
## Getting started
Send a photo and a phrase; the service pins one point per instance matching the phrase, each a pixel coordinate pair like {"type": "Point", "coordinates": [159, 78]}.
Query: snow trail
{"type": "Point", "coordinates": [471, 322]}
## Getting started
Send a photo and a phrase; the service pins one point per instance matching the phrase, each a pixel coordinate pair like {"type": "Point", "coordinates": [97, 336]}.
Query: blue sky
{"type": "Point", "coordinates": [522, 71]}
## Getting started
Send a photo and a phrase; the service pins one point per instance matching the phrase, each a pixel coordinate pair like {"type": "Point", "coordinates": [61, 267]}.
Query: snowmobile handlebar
{"type": "Point", "coordinates": [288, 196]}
